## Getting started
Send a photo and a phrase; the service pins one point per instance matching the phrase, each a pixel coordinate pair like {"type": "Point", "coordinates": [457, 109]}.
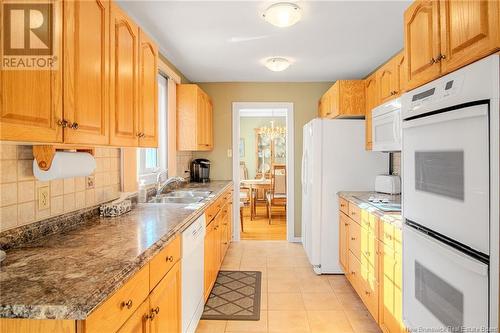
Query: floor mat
{"type": "Point", "coordinates": [235, 296]}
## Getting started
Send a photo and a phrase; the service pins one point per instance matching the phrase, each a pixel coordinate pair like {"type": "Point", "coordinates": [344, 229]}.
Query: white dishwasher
{"type": "Point", "coordinates": [193, 243]}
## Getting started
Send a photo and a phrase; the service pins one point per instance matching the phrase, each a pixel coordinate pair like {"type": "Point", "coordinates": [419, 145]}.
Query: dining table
{"type": "Point", "coordinates": [255, 184]}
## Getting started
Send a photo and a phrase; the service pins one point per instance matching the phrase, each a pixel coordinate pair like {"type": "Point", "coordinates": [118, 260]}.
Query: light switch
{"type": "Point", "coordinates": [229, 153]}
{"type": "Point", "coordinates": [43, 198]}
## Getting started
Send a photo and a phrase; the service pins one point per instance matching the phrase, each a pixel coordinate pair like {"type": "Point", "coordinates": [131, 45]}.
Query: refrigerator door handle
{"type": "Point", "coordinates": [304, 164]}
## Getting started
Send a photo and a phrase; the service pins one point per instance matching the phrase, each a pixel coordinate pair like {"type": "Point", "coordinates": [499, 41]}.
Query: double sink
{"type": "Point", "coordinates": [181, 197]}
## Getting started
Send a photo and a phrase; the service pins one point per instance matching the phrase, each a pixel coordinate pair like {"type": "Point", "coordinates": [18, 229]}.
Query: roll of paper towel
{"type": "Point", "coordinates": [66, 165]}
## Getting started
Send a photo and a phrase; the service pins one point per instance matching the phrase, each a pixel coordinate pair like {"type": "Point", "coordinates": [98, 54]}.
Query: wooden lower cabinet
{"type": "Point", "coordinates": [370, 252]}
{"type": "Point", "coordinates": [217, 238]}
{"type": "Point", "coordinates": [139, 322]}
{"type": "Point", "coordinates": [161, 311]}
{"type": "Point", "coordinates": [165, 303]}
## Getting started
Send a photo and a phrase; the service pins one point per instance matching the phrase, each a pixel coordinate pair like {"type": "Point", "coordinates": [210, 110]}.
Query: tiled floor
{"type": "Point", "coordinates": [294, 299]}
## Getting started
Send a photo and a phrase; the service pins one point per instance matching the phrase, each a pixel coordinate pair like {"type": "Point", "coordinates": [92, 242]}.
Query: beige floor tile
{"type": "Point", "coordinates": [329, 322]}
{"type": "Point", "coordinates": [321, 301]}
{"type": "Point", "coordinates": [288, 321]}
{"type": "Point", "coordinates": [350, 301]}
{"type": "Point", "coordinates": [248, 326]}
{"type": "Point", "coordinates": [283, 285]}
{"type": "Point", "coordinates": [280, 261]}
{"type": "Point", "coordinates": [263, 301]}
{"type": "Point", "coordinates": [317, 285]}
{"type": "Point", "coordinates": [280, 272]}
{"type": "Point", "coordinates": [211, 326]}
{"type": "Point", "coordinates": [285, 301]}
{"type": "Point", "coordinates": [362, 322]}
{"type": "Point", "coordinates": [253, 261]}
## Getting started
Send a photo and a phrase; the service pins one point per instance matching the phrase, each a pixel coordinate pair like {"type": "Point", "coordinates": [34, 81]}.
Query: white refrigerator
{"type": "Point", "coordinates": [334, 159]}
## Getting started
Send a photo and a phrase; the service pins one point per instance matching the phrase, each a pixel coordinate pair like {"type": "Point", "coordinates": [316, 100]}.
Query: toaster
{"type": "Point", "coordinates": [390, 184]}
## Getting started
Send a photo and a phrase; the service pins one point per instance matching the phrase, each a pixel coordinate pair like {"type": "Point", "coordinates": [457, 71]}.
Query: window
{"type": "Point", "coordinates": [150, 161]}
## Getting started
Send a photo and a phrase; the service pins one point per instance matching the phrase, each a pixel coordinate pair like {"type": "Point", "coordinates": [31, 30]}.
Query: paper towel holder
{"type": "Point", "coordinates": [44, 154]}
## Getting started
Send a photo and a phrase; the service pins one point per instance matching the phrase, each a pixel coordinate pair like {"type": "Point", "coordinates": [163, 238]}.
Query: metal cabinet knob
{"type": "Point", "coordinates": [169, 259]}
{"type": "Point", "coordinates": [127, 304]}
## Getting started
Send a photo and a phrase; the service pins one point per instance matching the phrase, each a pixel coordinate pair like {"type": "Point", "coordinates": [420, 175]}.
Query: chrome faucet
{"type": "Point", "coordinates": [161, 185]}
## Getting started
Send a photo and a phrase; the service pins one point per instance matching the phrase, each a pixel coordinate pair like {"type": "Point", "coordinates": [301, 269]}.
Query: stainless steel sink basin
{"type": "Point", "coordinates": [175, 199]}
{"type": "Point", "coordinates": [188, 193]}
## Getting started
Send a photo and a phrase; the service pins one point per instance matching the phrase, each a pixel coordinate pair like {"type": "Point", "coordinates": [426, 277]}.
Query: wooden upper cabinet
{"type": "Point", "coordinates": [124, 129]}
{"type": "Point", "coordinates": [469, 31]}
{"type": "Point", "coordinates": [345, 99]}
{"type": "Point", "coordinates": [388, 78]}
{"type": "Point", "coordinates": [86, 71]}
{"type": "Point", "coordinates": [194, 111]}
{"type": "Point", "coordinates": [371, 100]}
{"type": "Point", "coordinates": [31, 101]}
{"type": "Point", "coordinates": [148, 92]}
{"type": "Point", "coordinates": [421, 22]}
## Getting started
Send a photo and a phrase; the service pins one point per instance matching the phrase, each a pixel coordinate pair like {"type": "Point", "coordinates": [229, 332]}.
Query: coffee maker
{"type": "Point", "coordinates": [200, 170]}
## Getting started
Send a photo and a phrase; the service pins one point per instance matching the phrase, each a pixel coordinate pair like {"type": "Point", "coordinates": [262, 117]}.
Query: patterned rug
{"type": "Point", "coordinates": [235, 296]}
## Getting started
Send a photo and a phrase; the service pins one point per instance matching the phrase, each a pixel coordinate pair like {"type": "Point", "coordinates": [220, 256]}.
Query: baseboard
{"type": "Point", "coordinates": [296, 240]}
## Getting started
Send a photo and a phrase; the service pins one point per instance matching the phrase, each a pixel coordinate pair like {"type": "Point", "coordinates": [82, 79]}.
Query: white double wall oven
{"type": "Point", "coordinates": [450, 200]}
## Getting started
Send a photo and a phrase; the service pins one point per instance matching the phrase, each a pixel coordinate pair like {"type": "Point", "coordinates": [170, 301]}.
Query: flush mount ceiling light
{"type": "Point", "coordinates": [277, 64]}
{"type": "Point", "coordinates": [283, 14]}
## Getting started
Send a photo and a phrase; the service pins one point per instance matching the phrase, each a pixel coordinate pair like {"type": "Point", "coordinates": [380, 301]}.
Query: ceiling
{"type": "Point", "coordinates": [227, 41]}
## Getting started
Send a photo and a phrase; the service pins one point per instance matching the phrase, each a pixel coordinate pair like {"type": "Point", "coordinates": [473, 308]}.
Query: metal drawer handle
{"type": "Point", "coordinates": [127, 304]}
{"type": "Point", "coordinates": [353, 238]}
{"type": "Point", "coordinates": [169, 259]}
{"type": "Point", "coordinates": [156, 310]}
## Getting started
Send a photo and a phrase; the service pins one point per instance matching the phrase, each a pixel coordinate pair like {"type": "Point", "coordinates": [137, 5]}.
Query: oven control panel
{"type": "Point", "coordinates": [440, 90]}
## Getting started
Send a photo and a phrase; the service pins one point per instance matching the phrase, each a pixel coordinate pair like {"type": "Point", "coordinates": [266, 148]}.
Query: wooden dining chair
{"type": "Point", "coordinates": [278, 193]}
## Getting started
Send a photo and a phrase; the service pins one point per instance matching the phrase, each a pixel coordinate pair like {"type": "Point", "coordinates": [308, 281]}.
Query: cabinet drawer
{"type": "Point", "coordinates": [369, 221]}
{"type": "Point", "coordinates": [369, 252]}
{"type": "Point", "coordinates": [355, 239]}
{"type": "Point", "coordinates": [387, 234]}
{"type": "Point", "coordinates": [369, 295]}
{"type": "Point", "coordinates": [164, 261]}
{"type": "Point", "coordinates": [344, 206]}
{"type": "Point", "coordinates": [111, 315]}
{"type": "Point", "coordinates": [354, 274]}
{"type": "Point", "coordinates": [213, 209]}
{"type": "Point", "coordinates": [398, 240]}
{"type": "Point", "coordinates": [354, 212]}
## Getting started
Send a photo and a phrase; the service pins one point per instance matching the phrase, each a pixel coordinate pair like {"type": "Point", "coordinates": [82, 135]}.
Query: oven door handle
{"type": "Point", "coordinates": [459, 258]}
{"type": "Point", "coordinates": [464, 113]}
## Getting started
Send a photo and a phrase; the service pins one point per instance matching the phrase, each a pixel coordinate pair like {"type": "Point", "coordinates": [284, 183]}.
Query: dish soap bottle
{"type": "Point", "coordinates": [143, 193]}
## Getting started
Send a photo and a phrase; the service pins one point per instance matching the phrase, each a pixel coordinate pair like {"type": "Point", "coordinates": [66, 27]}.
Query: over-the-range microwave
{"type": "Point", "coordinates": [386, 126]}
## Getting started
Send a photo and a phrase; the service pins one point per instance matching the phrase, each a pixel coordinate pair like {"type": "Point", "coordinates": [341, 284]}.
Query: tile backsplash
{"type": "Point", "coordinates": [19, 188]}
{"type": "Point", "coordinates": [183, 162]}
{"type": "Point", "coordinates": [396, 163]}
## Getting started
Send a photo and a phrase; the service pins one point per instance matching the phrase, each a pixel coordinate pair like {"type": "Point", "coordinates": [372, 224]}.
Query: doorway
{"type": "Point", "coordinates": [263, 171]}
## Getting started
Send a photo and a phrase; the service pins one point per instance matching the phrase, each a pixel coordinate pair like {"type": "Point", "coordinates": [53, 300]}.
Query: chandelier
{"type": "Point", "coordinates": [272, 132]}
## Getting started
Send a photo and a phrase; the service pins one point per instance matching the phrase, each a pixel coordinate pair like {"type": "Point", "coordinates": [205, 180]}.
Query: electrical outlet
{"type": "Point", "coordinates": [229, 153]}
{"type": "Point", "coordinates": [43, 198]}
{"type": "Point", "coordinates": [89, 181]}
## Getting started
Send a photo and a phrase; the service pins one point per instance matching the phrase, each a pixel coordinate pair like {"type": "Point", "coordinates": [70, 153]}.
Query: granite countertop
{"type": "Point", "coordinates": [67, 275]}
{"type": "Point", "coordinates": [389, 217]}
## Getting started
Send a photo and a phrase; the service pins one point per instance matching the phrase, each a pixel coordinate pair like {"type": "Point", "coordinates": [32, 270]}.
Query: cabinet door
{"type": "Point", "coordinates": [148, 92]}
{"type": "Point", "coordinates": [469, 31]}
{"type": "Point", "coordinates": [388, 79]}
{"type": "Point", "coordinates": [333, 102]}
{"type": "Point", "coordinates": [388, 301]}
{"type": "Point", "coordinates": [31, 100]}
{"type": "Point", "coordinates": [201, 119]}
{"type": "Point", "coordinates": [326, 105]}
{"type": "Point", "coordinates": [343, 242]}
{"type": "Point", "coordinates": [209, 124]}
{"type": "Point", "coordinates": [124, 81]}
{"type": "Point", "coordinates": [86, 71]}
{"type": "Point", "coordinates": [422, 42]}
{"type": "Point", "coordinates": [209, 259]}
{"type": "Point", "coordinates": [139, 322]}
{"type": "Point", "coordinates": [372, 100]}
{"type": "Point", "coordinates": [165, 303]}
